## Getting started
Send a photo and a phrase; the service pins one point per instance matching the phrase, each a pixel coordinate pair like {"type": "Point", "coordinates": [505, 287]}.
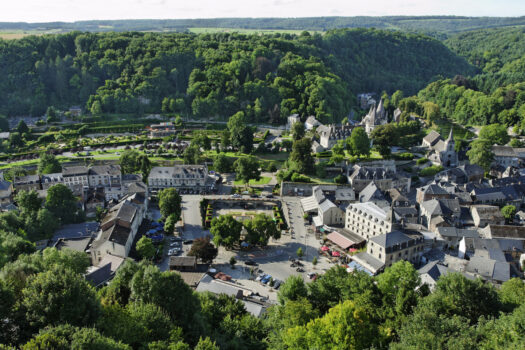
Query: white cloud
{"type": "Point", "coordinates": [72, 10]}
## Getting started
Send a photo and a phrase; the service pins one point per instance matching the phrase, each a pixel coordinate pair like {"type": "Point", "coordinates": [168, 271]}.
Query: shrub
{"type": "Point", "coordinates": [404, 156]}
{"type": "Point", "coordinates": [340, 179]}
{"type": "Point", "coordinates": [296, 177]}
{"type": "Point", "coordinates": [421, 161]}
{"type": "Point", "coordinates": [431, 170]}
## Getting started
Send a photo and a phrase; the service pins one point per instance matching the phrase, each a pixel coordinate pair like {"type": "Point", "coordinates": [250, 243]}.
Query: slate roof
{"type": "Point", "coordinates": [109, 169]}
{"type": "Point", "coordinates": [504, 231]}
{"type": "Point", "coordinates": [434, 270]}
{"type": "Point", "coordinates": [370, 192]}
{"type": "Point", "coordinates": [488, 212]}
{"type": "Point", "coordinates": [434, 189]}
{"type": "Point", "coordinates": [432, 138]}
{"type": "Point", "coordinates": [368, 261]}
{"type": "Point", "coordinates": [74, 171]}
{"type": "Point", "coordinates": [79, 244]}
{"type": "Point", "coordinates": [326, 205]}
{"type": "Point", "coordinates": [123, 211]}
{"type": "Point", "coordinates": [27, 179]}
{"type": "Point", "coordinates": [5, 185]}
{"type": "Point", "coordinates": [100, 275]}
{"type": "Point", "coordinates": [178, 172]}
{"type": "Point", "coordinates": [443, 207]}
{"type": "Point", "coordinates": [390, 239]}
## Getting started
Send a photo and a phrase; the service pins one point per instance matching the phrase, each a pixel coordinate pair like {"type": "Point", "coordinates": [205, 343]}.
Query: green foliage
{"type": "Point", "coordinates": [297, 131]}
{"type": "Point", "coordinates": [421, 161]}
{"type": "Point", "coordinates": [341, 179]}
{"type": "Point", "coordinates": [203, 249]}
{"type": "Point", "coordinates": [260, 229]}
{"type": "Point", "coordinates": [145, 248]}
{"type": "Point", "coordinates": [358, 143]}
{"type": "Point", "coordinates": [301, 157]}
{"type": "Point", "coordinates": [480, 153]}
{"type": "Point", "coordinates": [292, 289]}
{"type": "Point", "coordinates": [495, 134]}
{"type": "Point", "coordinates": [512, 293]}
{"type": "Point", "coordinates": [247, 168]}
{"type": "Point", "coordinates": [299, 252]}
{"type": "Point", "coordinates": [509, 211]}
{"type": "Point", "coordinates": [222, 164]}
{"type": "Point", "coordinates": [61, 202]}
{"type": "Point", "coordinates": [59, 296]}
{"type": "Point", "coordinates": [192, 154]}
{"type": "Point", "coordinates": [241, 135]}
{"type": "Point", "coordinates": [170, 203]}
{"type": "Point", "coordinates": [226, 231]}
{"type": "Point", "coordinates": [48, 164]}
{"type": "Point", "coordinates": [169, 224]}
{"type": "Point", "coordinates": [431, 170]}
{"type": "Point", "coordinates": [132, 162]}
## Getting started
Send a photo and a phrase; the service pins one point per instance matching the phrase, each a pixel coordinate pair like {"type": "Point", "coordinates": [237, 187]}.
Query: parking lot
{"type": "Point", "coordinates": [273, 260]}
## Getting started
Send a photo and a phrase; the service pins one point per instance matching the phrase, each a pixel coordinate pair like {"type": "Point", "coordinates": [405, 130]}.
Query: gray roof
{"type": "Point", "coordinates": [504, 231]}
{"type": "Point", "coordinates": [28, 179]}
{"type": "Point", "coordinates": [432, 137]}
{"type": "Point", "coordinates": [100, 275]}
{"type": "Point", "coordinates": [433, 189]}
{"type": "Point", "coordinates": [54, 177]}
{"type": "Point", "coordinates": [434, 270]}
{"type": "Point", "coordinates": [391, 239]}
{"type": "Point", "coordinates": [178, 172]}
{"type": "Point", "coordinates": [110, 169]}
{"type": "Point", "coordinates": [188, 261]}
{"type": "Point", "coordinates": [457, 232]}
{"type": "Point", "coordinates": [368, 261]}
{"type": "Point", "coordinates": [123, 211]}
{"type": "Point", "coordinates": [5, 185]}
{"type": "Point", "coordinates": [326, 205]}
{"type": "Point", "coordinates": [370, 192]}
{"type": "Point", "coordinates": [74, 171]}
{"type": "Point", "coordinates": [79, 244]}
{"type": "Point", "coordinates": [489, 269]}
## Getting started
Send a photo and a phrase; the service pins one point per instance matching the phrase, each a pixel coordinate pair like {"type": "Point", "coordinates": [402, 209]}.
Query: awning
{"type": "Point", "coordinates": [334, 253]}
{"type": "Point", "coordinates": [340, 240]}
{"type": "Point", "coordinates": [317, 221]}
{"type": "Point", "coordinates": [325, 248]}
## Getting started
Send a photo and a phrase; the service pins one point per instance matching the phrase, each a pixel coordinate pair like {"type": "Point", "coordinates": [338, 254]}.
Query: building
{"type": "Point", "coordinates": [105, 176]}
{"type": "Point", "coordinates": [431, 272]}
{"type": "Point", "coordinates": [443, 152]}
{"type": "Point", "coordinates": [182, 177]}
{"type": "Point", "coordinates": [311, 123]}
{"type": "Point", "coordinates": [431, 139]}
{"type": "Point", "coordinates": [431, 191]}
{"type": "Point", "coordinates": [506, 156]}
{"type": "Point", "coordinates": [327, 212]}
{"type": "Point", "coordinates": [292, 119]}
{"type": "Point", "coordinates": [49, 180]}
{"type": "Point", "coordinates": [376, 116]}
{"type": "Point", "coordinates": [439, 212]}
{"type": "Point", "coordinates": [486, 214]}
{"type": "Point", "coordinates": [4, 135]}
{"type": "Point", "coordinates": [183, 263]}
{"type": "Point", "coordinates": [385, 176]}
{"type": "Point", "coordinates": [75, 111]}
{"type": "Point", "coordinates": [75, 177]}
{"type": "Point", "coordinates": [27, 183]}
{"type": "Point", "coordinates": [388, 248]}
{"type": "Point", "coordinates": [162, 129]}
{"type": "Point", "coordinates": [329, 135]}
{"type": "Point", "coordinates": [118, 229]}
{"type": "Point", "coordinates": [6, 193]}
{"type": "Point", "coordinates": [367, 220]}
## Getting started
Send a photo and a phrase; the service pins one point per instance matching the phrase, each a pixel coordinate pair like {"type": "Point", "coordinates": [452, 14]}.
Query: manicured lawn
{"type": "Point", "coordinates": [262, 181]}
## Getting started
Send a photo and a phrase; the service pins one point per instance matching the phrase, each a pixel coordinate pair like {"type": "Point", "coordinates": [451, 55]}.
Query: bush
{"type": "Point", "coordinates": [421, 161]}
{"type": "Point", "coordinates": [340, 179]}
{"type": "Point", "coordinates": [431, 170]}
{"type": "Point", "coordinates": [296, 177]}
{"type": "Point", "coordinates": [404, 156]}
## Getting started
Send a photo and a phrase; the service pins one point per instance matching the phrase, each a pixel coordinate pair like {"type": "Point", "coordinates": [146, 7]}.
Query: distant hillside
{"type": "Point", "coordinates": [499, 53]}
{"type": "Point", "coordinates": [438, 26]}
{"type": "Point", "coordinates": [267, 77]}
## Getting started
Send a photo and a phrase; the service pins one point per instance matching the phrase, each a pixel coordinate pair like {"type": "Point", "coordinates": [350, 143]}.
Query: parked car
{"type": "Point", "coordinates": [269, 196]}
{"type": "Point", "coordinates": [250, 262]}
{"type": "Point", "coordinates": [254, 196]}
{"type": "Point", "coordinates": [188, 241]}
{"type": "Point", "coordinates": [311, 275]}
{"type": "Point", "coordinates": [299, 269]}
{"type": "Point", "coordinates": [277, 284]}
{"type": "Point", "coordinates": [266, 279]}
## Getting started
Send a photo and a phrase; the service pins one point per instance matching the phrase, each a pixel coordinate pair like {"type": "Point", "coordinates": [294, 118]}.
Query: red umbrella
{"type": "Point", "coordinates": [325, 248]}
{"type": "Point", "coordinates": [353, 250]}
{"type": "Point", "coordinates": [336, 254]}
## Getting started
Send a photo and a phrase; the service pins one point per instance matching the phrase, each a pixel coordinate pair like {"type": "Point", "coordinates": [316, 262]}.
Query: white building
{"type": "Point", "coordinates": [187, 177]}
{"type": "Point", "coordinates": [327, 212]}
{"type": "Point", "coordinates": [367, 220]}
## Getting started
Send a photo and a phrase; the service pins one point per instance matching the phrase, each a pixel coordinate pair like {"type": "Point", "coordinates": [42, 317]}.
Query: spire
{"type": "Point", "coordinates": [381, 109]}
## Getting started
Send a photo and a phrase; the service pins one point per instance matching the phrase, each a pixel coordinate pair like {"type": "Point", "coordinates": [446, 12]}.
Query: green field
{"type": "Point", "coordinates": [262, 181]}
{"type": "Point", "coordinates": [197, 30]}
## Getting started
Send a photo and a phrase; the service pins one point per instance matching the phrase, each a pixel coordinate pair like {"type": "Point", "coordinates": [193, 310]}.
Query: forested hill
{"type": "Point", "coordinates": [266, 76]}
{"type": "Point", "coordinates": [500, 53]}
{"type": "Point", "coordinates": [440, 25]}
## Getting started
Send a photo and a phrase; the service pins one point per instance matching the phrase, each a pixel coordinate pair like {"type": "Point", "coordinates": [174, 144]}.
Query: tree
{"type": "Point", "coordinates": [206, 344]}
{"type": "Point", "coordinates": [59, 296]}
{"type": "Point", "coordinates": [203, 249]}
{"type": "Point", "coordinates": [247, 168]}
{"type": "Point", "coordinates": [169, 224]}
{"type": "Point", "coordinates": [145, 248]}
{"type": "Point", "coordinates": [508, 211]}
{"type": "Point", "coordinates": [225, 140]}
{"type": "Point", "coordinates": [297, 131]}
{"type": "Point", "coordinates": [222, 163]}
{"type": "Point", "coordinates": [480, 153]}
{"type": "Point", "coordinates": [12, 246]}
{"type": "Point", "coordinates": [170, 203]}
{"type": "Point", "coordinates": [359, 143]}
{"type": "Point", "coordinates": [293, 289]}
{"type": "Point", "coordinates": [512, 293]}
{"type": "Point", "coordinates": [132, 161]}
{"type": "Point", "coordinates": [495, 134]}
{"type": "Point", "coordinates": [192, 154]}
{"type": "Point", "coordinates": [301, 156]}
{"type": "Point", "coordinates": [346, 325]}
{"type": "Point", "coordinates": [22, 127]}
{"type": "Point", "coordinates": [202, 140]}
{"type": "Point", "coordinates": [260, 229]}
{"type": "Point", "coordinates": [396, 98]}
{"type": "Point", "coordinates": [384, 137]}
{"type": "Point", "coordinates": [314, 261]}
{"type": "Point", "coordinates": [48, 164]}
{"type": "Point", "coordinates": [61, 202]}
{"type": "Point", "coordinates": [15, 140]}
{"type": "Point", "coordinates": [431, 111]}
{"type": "Point", "coordinates": [28, 202]}
{"type": "Point", "coordinates": [233, 261]}
{"type": "Point", "coordinates": [300, 252]}
{"type": "Point", "coordinates": [178, 121]}
{"type": "Point", "coordinates": [226, 231]}
{"type": "Point", "coordinates": [241, 135]}
{"type": "Point", "coordinates": [4, 123]}
{"type": "Point", "coordinates": [96, 108]}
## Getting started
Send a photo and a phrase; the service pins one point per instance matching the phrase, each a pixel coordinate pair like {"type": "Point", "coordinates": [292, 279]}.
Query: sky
{"type": "Point", "coordinates": [76, 10]}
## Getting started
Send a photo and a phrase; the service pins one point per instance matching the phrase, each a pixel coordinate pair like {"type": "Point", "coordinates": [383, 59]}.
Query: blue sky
{"type": "Point", "coordinates": [74, 10]}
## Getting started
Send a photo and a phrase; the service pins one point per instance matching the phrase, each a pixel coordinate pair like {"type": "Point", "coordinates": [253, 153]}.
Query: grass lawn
{"type": "Point", "coordinates": [262, 181]}
{"type": "Point", "coordinates": [459, 132]}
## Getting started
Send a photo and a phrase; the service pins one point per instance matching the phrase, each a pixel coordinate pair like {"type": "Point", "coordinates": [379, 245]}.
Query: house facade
{"type": "Point", "coordinates": [187, 177]}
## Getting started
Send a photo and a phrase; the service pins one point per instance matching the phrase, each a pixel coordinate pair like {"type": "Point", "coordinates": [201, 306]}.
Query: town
{"type": "Point", "coordinates": [262, 183]}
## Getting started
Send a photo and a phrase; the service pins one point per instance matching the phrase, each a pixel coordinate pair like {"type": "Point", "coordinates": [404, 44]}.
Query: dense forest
{"type": "Point", "coordinates": [47, 304]}
{"type": "Point", "coordinates": [436, 25]}
{"type": "Point", "coordinates": [267, 77]}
